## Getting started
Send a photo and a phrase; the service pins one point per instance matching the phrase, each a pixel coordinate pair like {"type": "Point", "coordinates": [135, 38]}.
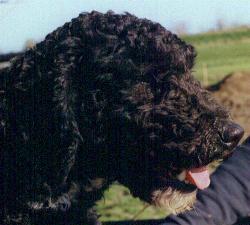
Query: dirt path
{"type": "Point", "coordinates": [234, 92]}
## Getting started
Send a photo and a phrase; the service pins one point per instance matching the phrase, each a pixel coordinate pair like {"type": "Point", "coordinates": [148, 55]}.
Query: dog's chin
{"type": "Point", "coordinates": [175, 194]}
{"type": "Point", "coordinates": [173, 200]}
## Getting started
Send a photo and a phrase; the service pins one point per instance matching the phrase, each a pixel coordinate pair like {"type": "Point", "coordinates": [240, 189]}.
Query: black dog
{"type": "Point", "coordinates": [105, 98]}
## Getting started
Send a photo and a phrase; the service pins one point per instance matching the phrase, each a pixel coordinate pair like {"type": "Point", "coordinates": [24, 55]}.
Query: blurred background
{"type": "Point", "coordinates": [219, 30]}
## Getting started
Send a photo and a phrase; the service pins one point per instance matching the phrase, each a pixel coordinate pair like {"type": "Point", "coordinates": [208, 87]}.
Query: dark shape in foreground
{"type": "Point", "coordinates": [104, 98]}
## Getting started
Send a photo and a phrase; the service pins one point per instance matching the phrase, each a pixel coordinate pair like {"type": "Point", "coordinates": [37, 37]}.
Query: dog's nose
{"type": "Point", "coordinates": [232, 134]}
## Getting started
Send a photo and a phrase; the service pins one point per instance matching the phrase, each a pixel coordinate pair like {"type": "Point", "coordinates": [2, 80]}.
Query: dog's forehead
{"type": "Point", "coordinates": [166, 85]}
{"type": "Point", "coordinates": [180, 96]}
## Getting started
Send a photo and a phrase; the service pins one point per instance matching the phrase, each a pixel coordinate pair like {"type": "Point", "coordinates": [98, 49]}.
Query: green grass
{"type": "Point", "coordinates": [219, 53]}
{"type": "Point", "coordinates": [234, 34]}
{"type": "Point", "coordinates": [118, 204]}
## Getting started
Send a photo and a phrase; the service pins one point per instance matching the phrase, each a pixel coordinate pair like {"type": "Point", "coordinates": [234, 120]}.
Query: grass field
{"type": "Point", "coordinates": [219, 53]}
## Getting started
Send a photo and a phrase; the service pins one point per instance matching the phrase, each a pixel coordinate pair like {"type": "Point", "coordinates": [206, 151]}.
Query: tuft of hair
{"type": "Point", "coordinates": [173, 200]}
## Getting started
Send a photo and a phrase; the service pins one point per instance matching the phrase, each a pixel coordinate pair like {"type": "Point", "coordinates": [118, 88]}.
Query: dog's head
{"type": "Point", "coordinates": [179, 130]}
{"type": "Point", "coordinates": [165, 124]}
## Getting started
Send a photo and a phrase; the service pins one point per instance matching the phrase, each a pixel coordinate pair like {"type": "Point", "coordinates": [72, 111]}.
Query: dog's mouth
{"type": "Point", "coordinates": [188, 180]}
{"type": "Point", "coordinates": [196, 177]}
{"type": "Point", "coordinates": [178, 192]}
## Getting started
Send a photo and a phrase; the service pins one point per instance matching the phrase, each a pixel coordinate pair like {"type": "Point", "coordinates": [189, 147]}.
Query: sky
{"type": "Point", "coordinates": [21, 20]}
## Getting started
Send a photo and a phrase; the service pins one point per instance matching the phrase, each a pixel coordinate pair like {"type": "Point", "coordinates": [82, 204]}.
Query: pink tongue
{"type": "Point", "coordinates": [199, 177]}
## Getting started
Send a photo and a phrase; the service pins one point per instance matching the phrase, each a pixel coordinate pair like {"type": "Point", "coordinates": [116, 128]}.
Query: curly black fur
{"type": "Point", "coordinates": [105, 97]}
